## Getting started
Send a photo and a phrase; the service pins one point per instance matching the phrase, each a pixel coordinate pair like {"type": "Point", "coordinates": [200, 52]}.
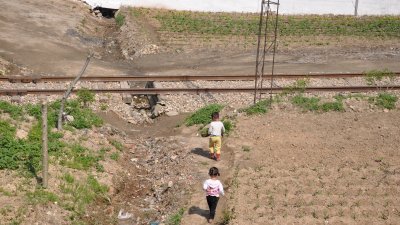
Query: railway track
{"type": "Point", "coordinates": [166, 78]}
{"type": "Point", "coordinates": [153, 91]}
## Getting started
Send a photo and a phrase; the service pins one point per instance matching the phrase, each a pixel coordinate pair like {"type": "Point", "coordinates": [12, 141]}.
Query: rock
{"type": "Point", "coordinates": [386, 110]}
{"type": "Point", "coordinates": [16, 99]}
{"type": "Point", "coordinates": [69, 118]}
{"type": "Point", "coordinates": [21, 134]}
{"type": "Point", "coordinates": [172, 113]}
{"type": "Point", "coordinates": [170, 184]}
{"type": "Point", "coordinates": [157, 110]}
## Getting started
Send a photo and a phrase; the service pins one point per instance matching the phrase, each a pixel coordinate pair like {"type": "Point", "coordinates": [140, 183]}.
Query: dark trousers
{"type": "Point", "coordinates": [212, 202]}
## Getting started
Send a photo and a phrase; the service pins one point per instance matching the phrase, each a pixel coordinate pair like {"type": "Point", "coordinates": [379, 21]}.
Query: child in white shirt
{"type": "Point", "coordinates": [216, 131]}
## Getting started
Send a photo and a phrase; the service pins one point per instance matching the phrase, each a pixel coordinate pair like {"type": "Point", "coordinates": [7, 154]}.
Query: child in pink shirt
{"type": "Point", "coordinates": [213, 188]}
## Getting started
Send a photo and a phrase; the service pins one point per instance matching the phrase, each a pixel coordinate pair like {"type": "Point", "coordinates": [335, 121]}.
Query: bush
{"type": "Point", "coordinates": [203, 115]}
{"type": "Point", "coordinates": [85, 96]}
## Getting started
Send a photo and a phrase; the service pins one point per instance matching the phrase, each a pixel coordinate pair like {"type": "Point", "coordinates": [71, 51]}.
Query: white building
{"type": "Point", "coordinates": [344, 7]}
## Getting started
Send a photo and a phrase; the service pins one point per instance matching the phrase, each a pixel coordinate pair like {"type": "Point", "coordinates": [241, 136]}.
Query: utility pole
{"type": "Point", "coordinates": [45, 156]}
{"type": "Point", "coordinates": [356, 8]}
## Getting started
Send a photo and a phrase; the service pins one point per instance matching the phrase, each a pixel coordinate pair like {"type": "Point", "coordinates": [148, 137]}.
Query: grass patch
{"type": "Point", "coordinates": [203, 115]}
{"type": "Point", "coordinates": [374, 77]}
{"type": "Point", "coordinates": [385, 100]}
{"type": "Point", "coordinates": [77, 195]}
{"type": "Point", "coordinates": [175, 219]}
{"type": "Point", "coordinates": [227, 216]}
{"type": "Point", "coordinates": [313, 104]}
{"type": "Point", "coordinates": [114, 156]}
{"type": "Point", "coordinates": [246, 148]}
{"type": "Point", "coordinates": [80, 158]}
{"type": "Point", "coordinates": [118, 145]}
{"type": "Point", "coordinates": [14, 111]}
{"type": "Point", "coordinates": [42, 197]}
{"type": "Point", "coordinates": [120, 20]}
{"type": "Point", "coordinates": [260, 107]}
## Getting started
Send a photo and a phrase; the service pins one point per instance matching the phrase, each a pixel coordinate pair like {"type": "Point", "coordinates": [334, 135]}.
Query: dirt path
{"type": "Point", "coordinates": [197, 212]}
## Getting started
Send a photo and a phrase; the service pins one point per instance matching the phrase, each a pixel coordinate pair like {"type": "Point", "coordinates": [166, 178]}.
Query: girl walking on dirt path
{"type": "Point", "coordinates": [213, 188]}
{"type": "Point", "coordinates": [216, 131]}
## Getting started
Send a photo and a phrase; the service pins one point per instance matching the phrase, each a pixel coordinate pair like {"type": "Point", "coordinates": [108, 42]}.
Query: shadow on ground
{"type": "Point", "coordinates": [198, 211]}
{"type": "Point", "coordinates": [201, 152]}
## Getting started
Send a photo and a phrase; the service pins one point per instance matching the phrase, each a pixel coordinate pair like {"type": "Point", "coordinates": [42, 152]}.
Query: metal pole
{"type": "Point", "coordinates": [274, 53]}
{"type": "Point", "coordinates": [45, 156]}
{"type": "Point", "coordinates": [258, 52]}
{"type": "Point", "coordinates": [356, 8]}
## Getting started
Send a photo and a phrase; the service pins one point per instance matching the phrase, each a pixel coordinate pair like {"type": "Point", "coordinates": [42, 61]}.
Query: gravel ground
{"type": "Point", "coordinates": [189, 102]}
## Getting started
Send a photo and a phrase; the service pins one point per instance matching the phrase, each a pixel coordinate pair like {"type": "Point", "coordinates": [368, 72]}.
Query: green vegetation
{"type": "Point", "coordinates": [227, 216]}
{"type": "Point", "coordinates": [203, 115]}
{"type": "Point", "coordinates": [246, 148]}
{"type": "Point", "coordinates": [373, 77]}
{"type": "Point", "coordinates": [77, 195]}
{"type": "Point", "coordinates": [25, 153]}
{"type": "Point", "coordinates": [40, 196]}
{"type": "Point", "coordinates": [114, 156]}
{"type": "Point", "coordinates": [228, 124]}
{"type": "Point", "coordinates": [260, 107]}
{"type": "Point", "coordinates": [80, 158]}
{"type": "Point", "coordinates": [176, 218]}
{"type": "Point", "coordinates": [313, 104]}
{"type": "Point", "coordinates": [384, 100]}
{"type": "Point", "coordinates": [118, 145]}
{"type": "Point", "coordinates": [85, 96]}
{"type": "Point", "coordinates": [289, 25]}
{"type": "Point", "coordinates": [14, 111]}
{"type": "Point", "coordinates": [120, 20]}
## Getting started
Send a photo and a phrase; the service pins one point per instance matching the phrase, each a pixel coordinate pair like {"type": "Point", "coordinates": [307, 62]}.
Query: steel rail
{"type": "Point", "coordinates": [116, 78]}
{"type": "Point", "coordinates": [152, 91]}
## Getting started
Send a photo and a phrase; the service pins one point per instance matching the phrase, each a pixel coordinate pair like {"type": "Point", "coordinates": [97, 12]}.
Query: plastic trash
{"type": "Point", "coordinates": [122, 215]}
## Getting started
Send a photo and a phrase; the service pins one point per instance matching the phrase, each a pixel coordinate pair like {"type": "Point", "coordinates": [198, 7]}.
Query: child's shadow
{"type": "Point", "coordinates": [198, 211]}
{"type": "Point", "coordinates": [201, 152]}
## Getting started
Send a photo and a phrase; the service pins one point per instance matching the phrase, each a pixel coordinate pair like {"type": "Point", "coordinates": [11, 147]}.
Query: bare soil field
{"type": "Point", "coordinates": [331, 168]}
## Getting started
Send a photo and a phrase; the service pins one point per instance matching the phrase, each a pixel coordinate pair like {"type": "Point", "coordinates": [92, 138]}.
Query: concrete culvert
{"type": "Point", "coordinates": [106, 12]}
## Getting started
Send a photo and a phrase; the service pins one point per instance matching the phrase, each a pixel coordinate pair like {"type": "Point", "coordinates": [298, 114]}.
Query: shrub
{"type": "Point", "coordinates": [203, 115]}
{"type": "Point", "coordinates": [85, 96]}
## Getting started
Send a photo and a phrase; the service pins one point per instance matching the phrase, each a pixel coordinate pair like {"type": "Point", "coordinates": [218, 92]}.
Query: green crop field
{"type": "Point", "coordinates": [246, 24]}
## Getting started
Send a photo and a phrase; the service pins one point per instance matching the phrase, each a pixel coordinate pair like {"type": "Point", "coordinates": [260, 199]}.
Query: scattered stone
{"type": "Point", "coordinates": [170, 184]}
{"type": "Point", "coordinates": [172, 113]}
{"type": "Point", "coordinates": [16, 99]}
{"type": "Point", "coordinates": [21, 134]}
{"type": "Point", "coordinates": [69, 118]}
